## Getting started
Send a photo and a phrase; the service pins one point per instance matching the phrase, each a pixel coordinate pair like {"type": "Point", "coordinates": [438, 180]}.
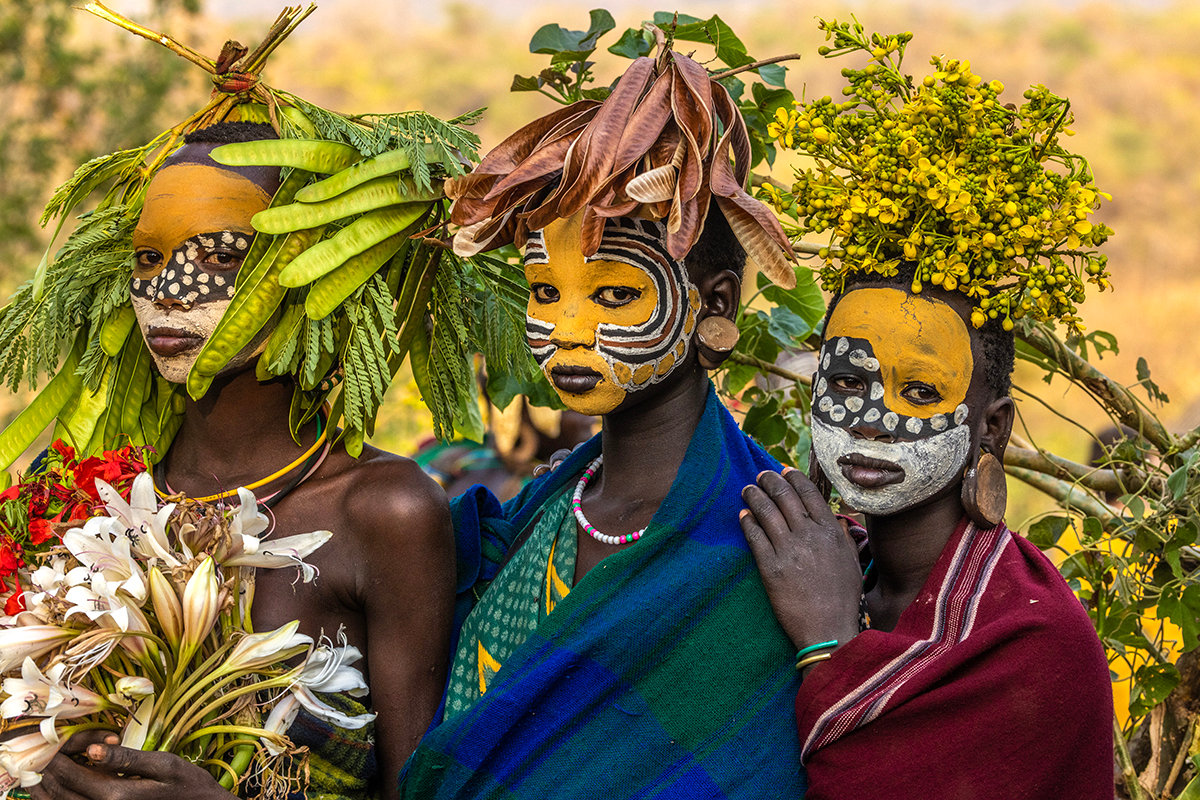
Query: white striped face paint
{"type": "Point", "coordinates": [609, 324]}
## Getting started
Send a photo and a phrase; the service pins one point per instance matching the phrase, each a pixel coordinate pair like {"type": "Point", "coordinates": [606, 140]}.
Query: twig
{"type": "Point", "coordinates": [766, 366]}
{"type": "Point", "coordinates": [1068, 495]}
{"type": "Point", "coordinates": [176, 47]}
{"type": "Point", "coordinates": [1111, 394]}
{"type": "Point", "coordinates": [716, 76]}
{"type": "Point", "coordinates": [1181, 756]}
{"type": "Point", "coordinates": [1125, 763]}
{"type": "Point", "coordinates": [1100, 480]}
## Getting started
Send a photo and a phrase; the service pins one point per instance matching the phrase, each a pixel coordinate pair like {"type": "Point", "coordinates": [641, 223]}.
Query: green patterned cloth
{"type": "Point", "coordinates": [341, 762]}
{"type": "Point", "coordinates": [512, 609]}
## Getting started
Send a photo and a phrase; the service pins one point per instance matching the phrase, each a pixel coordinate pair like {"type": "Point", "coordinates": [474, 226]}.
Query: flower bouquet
{"type": "Point", "coordinates": [138, 621]}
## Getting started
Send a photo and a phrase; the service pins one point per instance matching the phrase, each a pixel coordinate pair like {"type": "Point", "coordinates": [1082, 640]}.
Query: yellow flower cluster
{"type": "Point", "coordinates": [980, 196]}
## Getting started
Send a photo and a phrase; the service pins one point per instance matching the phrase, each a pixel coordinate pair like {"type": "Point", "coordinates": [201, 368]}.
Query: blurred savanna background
{"type": "Point", "coordinates": [73, 87]}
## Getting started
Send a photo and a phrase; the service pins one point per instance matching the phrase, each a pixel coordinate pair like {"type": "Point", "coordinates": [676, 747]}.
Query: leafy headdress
{"type": "Point", "coordinates": [338, 265]}
{"type": "Point", "coordinates": [665, 144]}
{"type": "Point", "coordinates": [976, 195]}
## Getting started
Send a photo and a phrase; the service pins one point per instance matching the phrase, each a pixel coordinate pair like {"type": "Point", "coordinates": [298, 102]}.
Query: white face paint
{"type": "Point", "coordinates": [889, 412]}
{"type": "Point", "coordinates": [929, 465]}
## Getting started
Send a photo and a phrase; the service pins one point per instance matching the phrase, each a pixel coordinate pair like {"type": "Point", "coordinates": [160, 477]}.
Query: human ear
{"type": "Point", "coordinates": [995, 426]}
{"type": "Point", "coordinates": [716, 333]}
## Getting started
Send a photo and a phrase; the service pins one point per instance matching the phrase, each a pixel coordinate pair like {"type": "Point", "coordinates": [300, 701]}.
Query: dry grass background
{"type": "Point", "coordinates": [1130, 72]}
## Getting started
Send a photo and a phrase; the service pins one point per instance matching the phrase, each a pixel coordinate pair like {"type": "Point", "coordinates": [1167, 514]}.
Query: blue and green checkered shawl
{"type": "Point", "coordinates": [663, 673]}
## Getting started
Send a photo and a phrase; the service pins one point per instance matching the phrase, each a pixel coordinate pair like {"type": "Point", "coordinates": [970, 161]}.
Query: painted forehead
{"type": "Point", "coordinates": [187, 200]}
{"type": "Point", "coordinates": [899, 346]}
{"type": "Point", "coordinates": [636, 242]}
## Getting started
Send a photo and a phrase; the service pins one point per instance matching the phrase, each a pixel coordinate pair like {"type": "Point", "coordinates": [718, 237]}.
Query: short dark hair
{"type": "Point", "coordinates": [999, 345]}
{"type": "Point", "coordinates": [717, 248]}
{"type": "Point", "coordinates": [230, 132]}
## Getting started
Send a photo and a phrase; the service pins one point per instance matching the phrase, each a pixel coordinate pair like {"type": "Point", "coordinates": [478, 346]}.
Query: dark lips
{"type": "Point", "coordinates": [171, 341]}
{"type": "Point", "coordinates": [574, 380]}
{"type": "Point", "coordinates": [870, 473]}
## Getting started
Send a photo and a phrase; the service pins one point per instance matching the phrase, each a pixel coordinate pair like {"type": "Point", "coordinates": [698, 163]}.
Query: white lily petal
{"type": "Point", "coordinates": [283, 552]}
{"type": "Point", "coordinates": [114, 503]}
{"type": "Point", "coordinates": [134, 734]}
{"type": "Point", "coordinates": [280, 721]}
{"type": "Point", "coordinates": [325, 713]}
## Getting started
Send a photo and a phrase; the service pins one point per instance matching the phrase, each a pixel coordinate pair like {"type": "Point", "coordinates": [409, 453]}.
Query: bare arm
{"type": "Point", "coordinates": [408, 595]}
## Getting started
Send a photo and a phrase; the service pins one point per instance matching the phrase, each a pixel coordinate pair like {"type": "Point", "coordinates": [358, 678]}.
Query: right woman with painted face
{"type": "Point", "coordinates": [624, 645]}
{"type": "Point", "coordinates": [959, 664]}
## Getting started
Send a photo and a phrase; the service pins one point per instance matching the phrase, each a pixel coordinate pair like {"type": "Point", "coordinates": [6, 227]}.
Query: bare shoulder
{"type": "Point", "coordinates": [389, 497]}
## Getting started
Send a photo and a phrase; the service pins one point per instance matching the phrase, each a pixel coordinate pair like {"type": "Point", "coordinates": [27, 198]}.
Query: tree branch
{"type": "Point", "coordinates": [1069, 496]}
{"type": "Point", "coordinates": [716, 76]}
{"type": "Point", "coordinates": [765, 366]}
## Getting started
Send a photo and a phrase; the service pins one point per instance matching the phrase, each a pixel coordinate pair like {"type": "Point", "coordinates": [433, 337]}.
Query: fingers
{"type": "Point", "coordinates": [810, 496]}
{"type": "Point", "coordinates": [761, 546]}
{"type": "Point", "coordinates": [65, 779]}
{"type": "Point", "coordinates": [766, 513]}
{"type": "Point", "coordinates": [79, 742]}
{"type": "Point", "coordinates": [154, 766]}
{"type": "Point", "coordinates": [51, 788]}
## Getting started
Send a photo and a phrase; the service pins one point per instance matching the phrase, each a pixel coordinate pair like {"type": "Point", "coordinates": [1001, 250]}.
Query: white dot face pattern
{"type": "Point", "coordinates": [188, 279]}
{"type": "Point", "coordinates": [930, 453]}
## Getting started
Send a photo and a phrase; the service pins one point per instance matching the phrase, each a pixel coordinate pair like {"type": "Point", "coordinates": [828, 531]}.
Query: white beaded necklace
{"type": "Point", "coordinates": [577, 507]}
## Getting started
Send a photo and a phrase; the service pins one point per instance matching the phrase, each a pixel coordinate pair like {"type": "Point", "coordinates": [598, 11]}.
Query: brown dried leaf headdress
{"type": "Point", "coordinates": [666, 142]}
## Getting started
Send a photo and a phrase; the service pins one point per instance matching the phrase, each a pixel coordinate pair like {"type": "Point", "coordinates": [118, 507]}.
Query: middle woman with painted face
{"type": "Point", "coordinates": [625, 640]}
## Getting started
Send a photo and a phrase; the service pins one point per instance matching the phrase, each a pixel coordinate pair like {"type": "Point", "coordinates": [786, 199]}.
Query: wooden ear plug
{"type": "Point", "coordinates": [715, 340]}
{"type": "Point", "coordinates": [985, 491]}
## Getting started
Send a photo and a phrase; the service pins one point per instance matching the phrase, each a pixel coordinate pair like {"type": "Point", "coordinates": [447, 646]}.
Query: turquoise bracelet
{"type": "Point", "coordinates": [814, 647]}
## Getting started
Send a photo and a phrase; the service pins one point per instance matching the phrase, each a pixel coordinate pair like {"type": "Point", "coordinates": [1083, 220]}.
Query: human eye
{"type": "Point", "coordinates": [921, 394]}
{"type": "Point", "coordinates": [544, 293]}
{"type": "Point", "coordinates": [848, 384]}
{"type": "Point", "coordinates": [148, 260]}
{"type": "Point", "coordinates": [615, 296]}
{"type": "Point", "coordinates": [223, 259]}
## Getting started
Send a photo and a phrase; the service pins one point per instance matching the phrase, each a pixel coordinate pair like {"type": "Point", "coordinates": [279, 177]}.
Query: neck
{"type": "Point", "coordinates": [237, 433]}
{"type": "Point", "coordinates": [644, 445]}
{"type": "Point", "coordinates": [905, 546]}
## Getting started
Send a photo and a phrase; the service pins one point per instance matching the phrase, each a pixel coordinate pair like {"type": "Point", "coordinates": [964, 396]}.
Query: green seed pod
{"type": "Point", "coordinates": [115, 331]}
{"type": "Point", "coordinates": [312, 155]}
{"type": "Point", "coordinates": [375, 194]}
{"type": "Point", "coordinates": [29, 424]}
{"type": "Point", "coordinates": [392, 161]}
{"type": "Point", "coordinates": [328, 292]}
{"type": "Point", "coordinates": [365, 232]}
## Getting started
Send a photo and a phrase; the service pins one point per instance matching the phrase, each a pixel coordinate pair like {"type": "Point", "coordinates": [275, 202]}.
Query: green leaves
{"type": "Point", "coordinates": [567, 45]}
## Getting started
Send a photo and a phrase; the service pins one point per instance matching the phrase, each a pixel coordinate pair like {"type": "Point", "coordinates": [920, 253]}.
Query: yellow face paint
{"type": "Point", "coordinates": [186, 200]}
{"type": "Point", "coordinates": [916, 340]}
{"type": "Point", "coordinates": [604, 326]}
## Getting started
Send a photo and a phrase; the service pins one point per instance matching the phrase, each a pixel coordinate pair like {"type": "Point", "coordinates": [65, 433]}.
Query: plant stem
{"type": "Point", "coordinates": [176, 47]}
{"type": "Point", "coordinates": [1125, 763]}
{"type": "Point", "coordinates": [1069, 496]}
{"type": "Point", "coordinates": [716, 76]}
{"type": "Point", "coordinates": [766, 366]}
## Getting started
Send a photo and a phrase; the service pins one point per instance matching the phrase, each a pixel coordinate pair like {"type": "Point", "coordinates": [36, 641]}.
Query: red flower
{"type": "Point", "coordinates": [11, 493]}
{"type": "Point", "coordinates": [65, 450]}
{"type": "Point", "coordinates": [16, 601]}
{"type": "Point", "coordinates": [40, 530]}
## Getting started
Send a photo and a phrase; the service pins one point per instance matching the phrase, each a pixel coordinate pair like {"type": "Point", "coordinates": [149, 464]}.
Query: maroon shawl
{"type": "Point", "coordinates": [992, 685]}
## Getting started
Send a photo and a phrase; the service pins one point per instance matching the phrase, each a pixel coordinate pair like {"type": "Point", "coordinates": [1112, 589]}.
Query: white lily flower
{"type": "Point", "coordinates": [30, 641]}
{"type": "Point", "coordinates": [141, 517]}
{"type": "Point", "coordinates": [200, 605]}
{"type": "Point", "coordinates": [248, 521]}
{"type": "Point", "coordinates": [255, 650]}
{"type": "Point", "coordinates": [47, 695]}
{"type": "Point", "coordinates": [131, 688]}
{"type": "Point", "coordinates": [134, 734]}
{"type": "Point", "coordinates": [280, 721]}
{"type": "Point", "coordinates": [328, 670]}
{"type": "Point", "coordinates": [285, 552]}
{"type": "Point", "coordinates": [103, 546]}
{"type": "Point", "coordinates": [24, 757]}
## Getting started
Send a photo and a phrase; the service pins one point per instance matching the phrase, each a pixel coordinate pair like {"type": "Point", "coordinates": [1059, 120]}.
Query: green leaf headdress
{"type": "Point", "coordinates": [346, 313]}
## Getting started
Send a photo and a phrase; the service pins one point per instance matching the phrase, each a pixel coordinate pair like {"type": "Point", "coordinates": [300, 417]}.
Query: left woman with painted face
{"type": "Point", "coordinates": [600, 652]}
{"type": "Point", "coordinates": [386, 576]}
{"type": "Point", "coordinates": [960, 664]}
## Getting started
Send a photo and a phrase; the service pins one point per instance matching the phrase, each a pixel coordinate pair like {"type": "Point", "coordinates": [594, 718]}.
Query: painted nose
{"type": "Point", "coordinates": [164, 298]}
{"type": "Point", "coordinates": [871, 433]}
{"type": "Point", "coordinates": [573, 330]}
